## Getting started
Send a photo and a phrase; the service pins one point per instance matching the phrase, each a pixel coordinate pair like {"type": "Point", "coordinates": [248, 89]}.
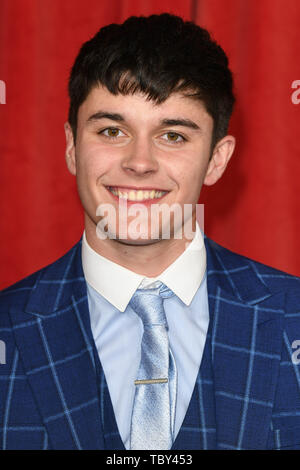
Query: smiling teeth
{"type": "Point", "coordinates": [139, 195]}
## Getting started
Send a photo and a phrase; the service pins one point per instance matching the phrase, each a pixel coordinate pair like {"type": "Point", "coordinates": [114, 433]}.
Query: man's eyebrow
{"type": "Point", "coordinates": [164, 122]}
{"type": "Point", "coordinates": [180, 122]}
{"type": "Point", "coordinates": [106, 115]}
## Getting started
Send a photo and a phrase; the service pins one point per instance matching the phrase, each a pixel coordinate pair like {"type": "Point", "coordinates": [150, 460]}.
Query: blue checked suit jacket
{"type": "Point", "coordinates": [50, 396]}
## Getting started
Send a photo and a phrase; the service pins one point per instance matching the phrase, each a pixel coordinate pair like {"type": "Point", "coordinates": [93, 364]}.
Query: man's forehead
{"type": "Point", "coordinates": [99, 95]}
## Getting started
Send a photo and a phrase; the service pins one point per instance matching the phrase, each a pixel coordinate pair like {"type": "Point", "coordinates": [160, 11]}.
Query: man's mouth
{"type": "Point", "coordinates": [136, 195]}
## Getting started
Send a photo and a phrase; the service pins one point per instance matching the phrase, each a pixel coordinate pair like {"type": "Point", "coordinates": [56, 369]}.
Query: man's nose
{"type": "Point", "coordinates": [140, 158]}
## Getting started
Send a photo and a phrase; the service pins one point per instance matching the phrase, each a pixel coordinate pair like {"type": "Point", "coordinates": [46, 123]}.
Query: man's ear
{"type": "Point", "coordinates": [220, 157]}
{"type": "Point", "coordinates": [70, 149]}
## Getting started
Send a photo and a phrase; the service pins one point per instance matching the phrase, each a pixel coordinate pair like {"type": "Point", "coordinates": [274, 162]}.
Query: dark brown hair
{"type": "Point", "coordinates": [156, 55]}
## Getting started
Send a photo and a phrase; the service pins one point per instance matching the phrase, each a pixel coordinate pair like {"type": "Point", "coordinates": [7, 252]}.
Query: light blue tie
{"type": "Point", "coordinates": [153, 414]}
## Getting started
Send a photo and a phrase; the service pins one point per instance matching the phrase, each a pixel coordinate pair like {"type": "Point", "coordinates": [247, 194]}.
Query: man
{"type": "Point", "coordinates": [135, 339]}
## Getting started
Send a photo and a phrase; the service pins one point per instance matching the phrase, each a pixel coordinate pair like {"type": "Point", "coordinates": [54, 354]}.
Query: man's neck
{"type": "Point", "coordinates": [149, 259]}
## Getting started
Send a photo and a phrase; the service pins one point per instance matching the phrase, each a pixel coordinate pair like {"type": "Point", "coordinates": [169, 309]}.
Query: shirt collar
{"type": "Point", "coordinates": [118, 284]}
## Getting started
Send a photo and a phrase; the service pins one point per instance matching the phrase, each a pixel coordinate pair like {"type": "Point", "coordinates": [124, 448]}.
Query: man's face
{"type": "Point", "coordinates": [129, 150]}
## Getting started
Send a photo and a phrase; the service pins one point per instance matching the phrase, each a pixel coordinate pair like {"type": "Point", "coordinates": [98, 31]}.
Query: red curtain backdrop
{"type": "Point", "coordinates": [254, 209]}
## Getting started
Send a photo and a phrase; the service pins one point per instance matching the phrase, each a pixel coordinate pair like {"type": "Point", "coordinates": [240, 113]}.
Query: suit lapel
{"type": "Point", "coordinates": [56, 345]}
{"type": "Point", "coordinates": [198, 430]}
{"type": "Point", "coordinates": [246, 348]}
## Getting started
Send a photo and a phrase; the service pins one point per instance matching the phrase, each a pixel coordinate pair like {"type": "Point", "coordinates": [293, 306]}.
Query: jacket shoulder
{"type": "Point", "coordinates": [228, 260]}
{"type": "Point", "coordinates": [17, 294]}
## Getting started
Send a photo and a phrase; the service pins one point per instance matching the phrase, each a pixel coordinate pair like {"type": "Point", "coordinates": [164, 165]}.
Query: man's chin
{"type": "Point", "coordinates": [137, 238]}
{"type": "Point", "coordinates": [137, 242]}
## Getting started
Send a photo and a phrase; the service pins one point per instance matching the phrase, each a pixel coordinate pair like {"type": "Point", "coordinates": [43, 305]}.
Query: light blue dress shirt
{"type": "Point", "coordinates": [118, 331]}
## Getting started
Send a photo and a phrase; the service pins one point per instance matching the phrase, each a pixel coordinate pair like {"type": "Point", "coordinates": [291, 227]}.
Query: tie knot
{"type": "Point", "coordinates": [148, 305]}
{"type": "Point", "coordinates": [164, 291]}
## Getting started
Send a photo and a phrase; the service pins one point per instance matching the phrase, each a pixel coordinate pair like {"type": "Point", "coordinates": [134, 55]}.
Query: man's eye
{"type": "Point", "coordinates": [174, 137]}
{"type": "Point", "coordinates": [111, 132]}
